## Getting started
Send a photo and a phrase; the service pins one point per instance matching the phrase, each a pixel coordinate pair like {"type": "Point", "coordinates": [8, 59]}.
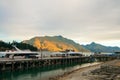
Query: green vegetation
{"type": "Point", "coordinates": [5, 46]}
{"type": "Point", "coordinates": [8, 46]}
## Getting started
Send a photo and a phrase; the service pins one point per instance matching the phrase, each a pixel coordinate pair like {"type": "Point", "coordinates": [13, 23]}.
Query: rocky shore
{"type": "Point", "coordinates": [104, 71]}
{"type": "Point", "coordinates": [107, 71]}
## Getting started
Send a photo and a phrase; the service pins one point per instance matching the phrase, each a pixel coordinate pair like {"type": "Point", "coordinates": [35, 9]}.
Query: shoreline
{"type": "Point", "coordinates": [82, 68]}
{"type": "Point", "coordinates": [99, 71]}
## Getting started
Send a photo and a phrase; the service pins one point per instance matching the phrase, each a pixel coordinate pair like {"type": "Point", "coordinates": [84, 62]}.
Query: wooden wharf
{"type": "Point", "coordinates": [7, 64]}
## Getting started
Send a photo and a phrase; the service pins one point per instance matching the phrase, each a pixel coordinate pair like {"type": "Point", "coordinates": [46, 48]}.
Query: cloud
{"type": "Point", "coordinates": [88, 20]}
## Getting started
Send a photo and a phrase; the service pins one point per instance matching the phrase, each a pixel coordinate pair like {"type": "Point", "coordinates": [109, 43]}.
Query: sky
{"type": "Point", "coordinates": [83, 21]}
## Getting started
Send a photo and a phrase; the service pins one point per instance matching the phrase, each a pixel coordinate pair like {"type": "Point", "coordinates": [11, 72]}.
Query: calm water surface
{"type": "Point", "coordinates": [42, 73]}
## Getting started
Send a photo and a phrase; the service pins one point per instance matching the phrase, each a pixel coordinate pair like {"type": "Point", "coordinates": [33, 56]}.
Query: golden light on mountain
{"type": "Point", "coordinates": [37, 43]}
{"type": "Point", "coordinates": [56, 43]}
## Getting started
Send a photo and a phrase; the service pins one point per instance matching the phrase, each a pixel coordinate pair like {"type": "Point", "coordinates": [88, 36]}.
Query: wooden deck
{"type": "Point", "coordinates": [7, 64]}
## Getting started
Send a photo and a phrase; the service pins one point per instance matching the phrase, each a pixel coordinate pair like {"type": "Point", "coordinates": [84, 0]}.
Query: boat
{"type": "Point", "coordinates": [67, 54]}
{"type": "Point", "coordinates": [74, 53]}
{"type": "Point", "coordinates": [19, 53]}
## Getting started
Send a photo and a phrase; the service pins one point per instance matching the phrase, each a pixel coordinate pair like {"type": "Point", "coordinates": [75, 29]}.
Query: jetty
{"type": "Point", "coordinates": [7, 64]}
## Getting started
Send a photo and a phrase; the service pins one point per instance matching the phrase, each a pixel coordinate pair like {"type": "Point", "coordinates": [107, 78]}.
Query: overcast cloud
{"type": "Point", "coordinates": [81, 20]}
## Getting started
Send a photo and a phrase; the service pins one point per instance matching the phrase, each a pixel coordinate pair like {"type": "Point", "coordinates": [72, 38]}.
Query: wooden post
{"type": "Point", "coordinates": [4, 67]}
{"type": "Point", "coordinates": [27, 65]}
{"type": "Point", "coordinates": [12, 66]}
{"type": "Point", "coordinates": [20, 66]}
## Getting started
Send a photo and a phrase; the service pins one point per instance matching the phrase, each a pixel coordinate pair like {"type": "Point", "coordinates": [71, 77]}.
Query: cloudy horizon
{"type": "Point", "coordinates": [82, 21]}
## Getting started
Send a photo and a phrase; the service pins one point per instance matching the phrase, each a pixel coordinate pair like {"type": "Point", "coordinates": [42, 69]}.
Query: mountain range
{"type": "Point", "coordinates": [95, 47]}
{"type": "Point", "coordinates": [58, 43]}
{"type": "Point", "coordinates": [55, 43]}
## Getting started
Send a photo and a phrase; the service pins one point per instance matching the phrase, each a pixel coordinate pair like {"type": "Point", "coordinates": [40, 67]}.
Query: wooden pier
{"type": "Point", "coordinates": [18, 64]}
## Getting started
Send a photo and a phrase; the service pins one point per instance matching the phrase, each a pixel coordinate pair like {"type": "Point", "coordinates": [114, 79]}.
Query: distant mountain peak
{"type": "Point", "coordinates": [59, 36]}
{"type": "Point", "coordinates": [95, 47]}
{"type": "Point", "coordinates": [93, 43]}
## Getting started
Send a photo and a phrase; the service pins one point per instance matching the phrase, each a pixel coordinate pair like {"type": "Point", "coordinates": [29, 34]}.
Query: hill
{"type": "Point", "coordinates": [54, 43]}
{"type": "Point", "coordinates": [5, 46]}
{"type": "Point", "coordinates": [8, 46]}
{"type": "Point", "coordinates": [94, 47]}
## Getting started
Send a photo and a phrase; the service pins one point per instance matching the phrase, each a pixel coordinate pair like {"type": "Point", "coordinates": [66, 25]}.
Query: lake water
{"type": "Point", "coordinates": [42, 73]}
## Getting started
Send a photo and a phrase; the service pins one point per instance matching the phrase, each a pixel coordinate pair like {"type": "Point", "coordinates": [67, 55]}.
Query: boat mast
{"type": "Point", "coordinates": [16, 48]}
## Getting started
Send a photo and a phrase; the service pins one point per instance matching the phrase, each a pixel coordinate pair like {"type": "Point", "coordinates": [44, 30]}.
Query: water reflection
{"type": "Point", "coordinates": [42, 73]}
